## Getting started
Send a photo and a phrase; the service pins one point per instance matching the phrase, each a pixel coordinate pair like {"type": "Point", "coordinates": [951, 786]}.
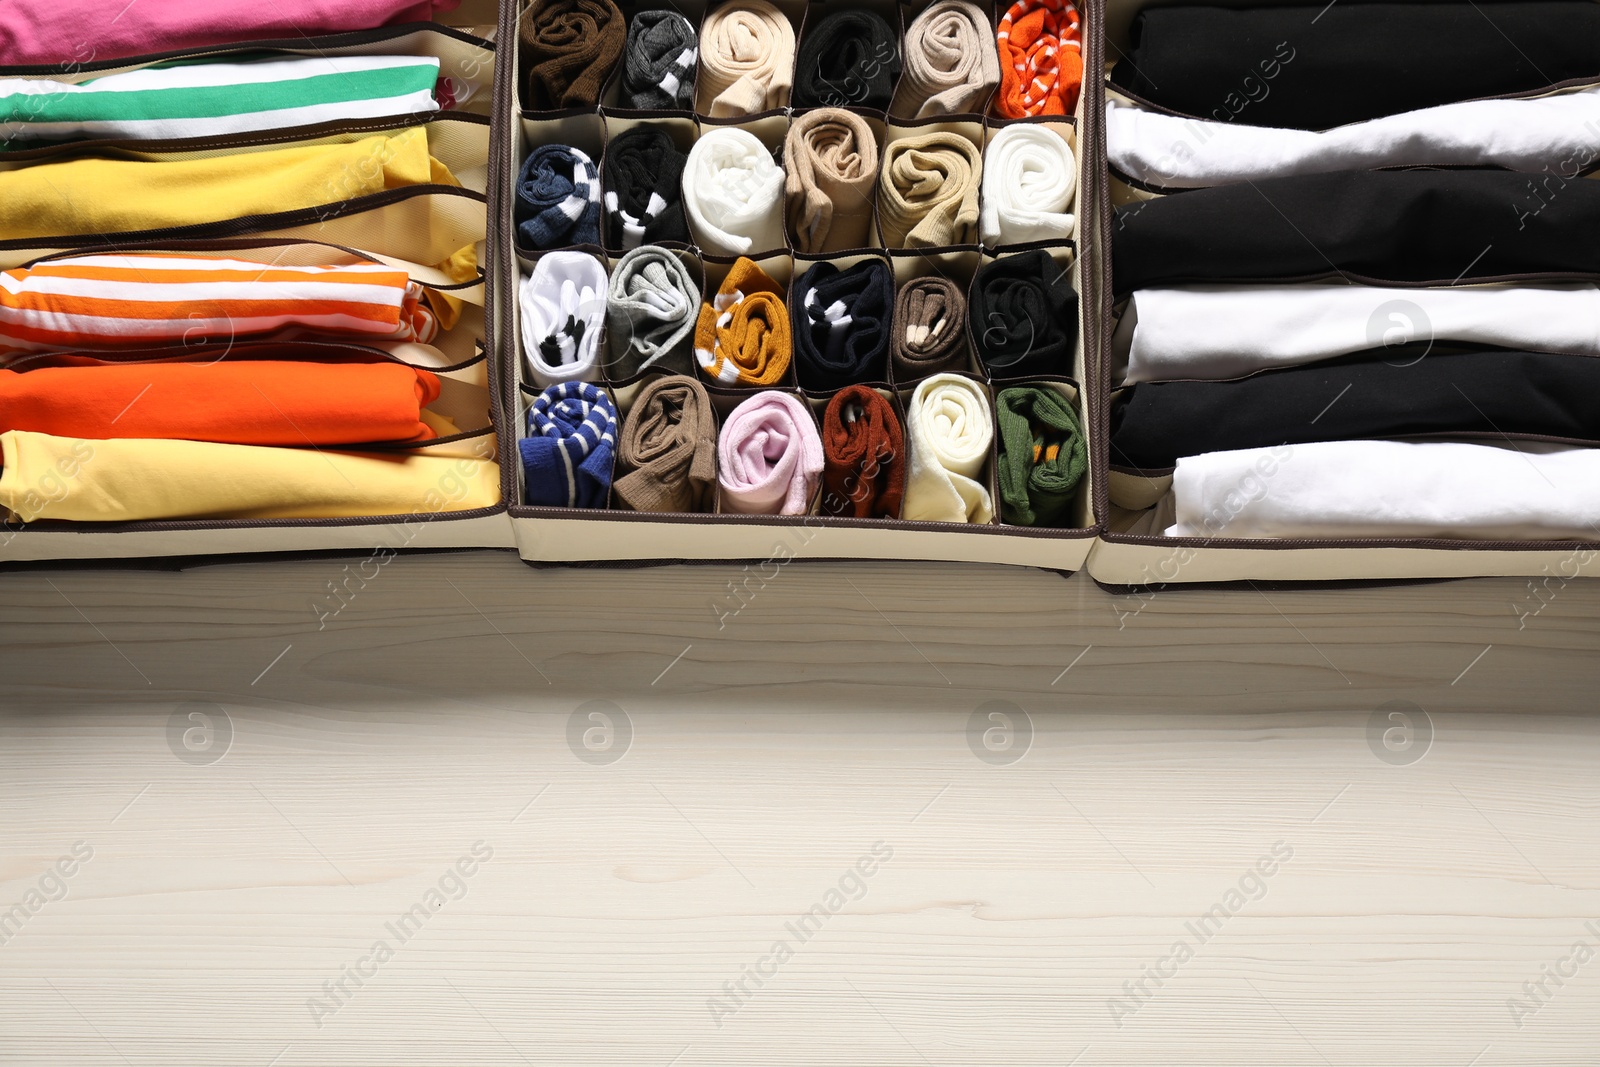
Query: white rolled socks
{"type": "Point", "coordinates": [1029, 179]}
{"type": "Point", "coordinates": [950, 430]}
{"type": "Point", "coordinates": [733, 191]}
{"type": "Point", "coordinates": [563, 306]}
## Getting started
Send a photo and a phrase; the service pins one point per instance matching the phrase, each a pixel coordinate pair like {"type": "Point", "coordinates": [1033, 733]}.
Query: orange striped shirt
{"type": "Point", "coordinates": [155, 299]}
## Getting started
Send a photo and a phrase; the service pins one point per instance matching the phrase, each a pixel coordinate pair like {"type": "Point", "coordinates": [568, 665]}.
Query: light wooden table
{"type": "Point", "coordinates": [607, 805]}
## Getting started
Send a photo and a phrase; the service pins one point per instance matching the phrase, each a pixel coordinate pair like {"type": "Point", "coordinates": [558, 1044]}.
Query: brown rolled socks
{"type": "Point", "coordinates": [569, 48]}
{"type": "Point", "coordinates": [864, 455]}
{"type": "Point", "coordinates": [667, 450]}
{"type": "Point", "coordinates": [930, 316]}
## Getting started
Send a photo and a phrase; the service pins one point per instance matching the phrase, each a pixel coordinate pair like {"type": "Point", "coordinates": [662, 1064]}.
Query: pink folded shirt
{"type": "Point", "coordinates": [73, 33]}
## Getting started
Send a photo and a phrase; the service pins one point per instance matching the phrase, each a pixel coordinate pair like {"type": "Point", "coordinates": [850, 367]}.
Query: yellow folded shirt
{"type": "Point", "coordinates": [144, 192]}
{"type": "Point", "coordinates": [125, 480]}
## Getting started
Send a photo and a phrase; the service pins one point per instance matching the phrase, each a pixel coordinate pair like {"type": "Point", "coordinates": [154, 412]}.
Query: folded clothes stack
{"type": "Point", "coordinates": [1310, 346]}
{"type": "Point", "coordinates": [181, 368]}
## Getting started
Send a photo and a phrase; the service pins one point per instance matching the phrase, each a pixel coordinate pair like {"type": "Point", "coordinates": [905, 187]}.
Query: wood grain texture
{"type": "Point", "coordinates": [1166, 745]}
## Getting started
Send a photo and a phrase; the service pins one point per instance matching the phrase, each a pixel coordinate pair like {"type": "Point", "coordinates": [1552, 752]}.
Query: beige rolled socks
{"type": "Point", "coordinates": [746, 60]}
{"type": "Point", "coordinates": [951, 64]}
{"type": "Point", "coordinates": [831, 160]}
{"type": "Point", "coordinates": [928, 192]}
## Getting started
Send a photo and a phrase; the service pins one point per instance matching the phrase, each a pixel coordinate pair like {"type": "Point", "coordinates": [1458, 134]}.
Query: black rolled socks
{"type": "Point", "coordinates": [841, 324]}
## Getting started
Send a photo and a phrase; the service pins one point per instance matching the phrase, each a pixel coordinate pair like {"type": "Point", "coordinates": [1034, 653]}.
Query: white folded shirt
{"type": "Point", "coordinates": [1215, 332]}
{"type": "Point", "coordinates": [1342, 489]}
{"type": "Point", "coordinates": [1173, 152]}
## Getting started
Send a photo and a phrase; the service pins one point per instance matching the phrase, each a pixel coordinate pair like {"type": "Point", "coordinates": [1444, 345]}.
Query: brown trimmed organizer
{"type": "Point", "coordinates": [558, 535]}
{"type": "Point", "coordinates": [1123, 559]}
{"type": "Point", "coordinates": [404, 223]}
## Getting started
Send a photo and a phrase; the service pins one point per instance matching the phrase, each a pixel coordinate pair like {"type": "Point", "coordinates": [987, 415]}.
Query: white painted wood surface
{"type": "Point", "coordinates": [1175, 741]}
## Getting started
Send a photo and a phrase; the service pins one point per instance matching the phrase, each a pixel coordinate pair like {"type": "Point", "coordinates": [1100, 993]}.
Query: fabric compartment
{"type": "Point", "coordinates": [750, 435]}
{"type": "Point", "coordinates": [1325, 276]}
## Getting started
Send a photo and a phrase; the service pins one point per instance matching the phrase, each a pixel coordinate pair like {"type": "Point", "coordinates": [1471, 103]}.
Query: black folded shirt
{"type": "Point", "coordinates": [1491, 393]}
{"type": "Point", "coordinates": [1387, 226]}
{"type": "Point", "coordinates": [1321, 65]}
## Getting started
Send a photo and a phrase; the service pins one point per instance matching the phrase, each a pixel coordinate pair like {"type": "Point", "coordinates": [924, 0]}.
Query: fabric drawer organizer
{"type": "Point", "coordinates": [1347, 304]}
{"type": "Point", "coordinates": [278, 336]}
{"type": "Point", "coordinates": [717, 326]}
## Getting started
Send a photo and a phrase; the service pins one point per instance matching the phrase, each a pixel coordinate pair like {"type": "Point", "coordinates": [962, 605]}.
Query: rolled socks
{"type": "Point", "coordinates": [650, 314]}
{"type": "Point", "coordinates": [1029, 179]}
{"type": "Point", "coordinates": [951, 431]}
{"type": "Point", "coordinates": [568, 454]}
{"type": "Point", "coordinates": [563, 307]}
{"type": "Point", "coordinates": [1041, 60]}
{"type": "Point", "coordinates": [842, 324]}
{"type": "Point", "coordinates": [667, 454]}
{"type": "Point", "coordinates": [733, 191]}
{"type": "Point", "coordinates": [831, 163]}
{"type": "Point", "coordinates": [742, 336]}
{"type": "Point", "coordinates": [769, 456]}
{"type": "Point", "coordinates": [659, 63]}
{"type": "Point", "coordinates": [848, 58]}
{"type": "Point", "coordinates": [1042, 455]}
{"type": "Point", "coordinates": [950, 65]}
{"type": "Point", "coordinates": [558, 199]}
{"type": "Point", "coordinates": [928, 193]}
{"type": "Point", "coordinates": [930, 316]}
{"type": "Point", "coordinates": [864, 456]}
{"type": "Point", "coordinates": [746, 59]}
{"type": "Point", "coordinates": [1024, 316]}
{"type": "Point", "coordinates": [569, 48]}
{"type": "Point", "coordinates": [643, 180]}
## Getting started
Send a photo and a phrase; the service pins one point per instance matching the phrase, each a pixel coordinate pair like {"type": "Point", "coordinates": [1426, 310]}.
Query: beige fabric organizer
{"type": "Point", "coordinates": [1120, 558]}
{"type": "Point", "coordinates": [568, 535]}
{"type": "Point", "coordinates": [405, 228]}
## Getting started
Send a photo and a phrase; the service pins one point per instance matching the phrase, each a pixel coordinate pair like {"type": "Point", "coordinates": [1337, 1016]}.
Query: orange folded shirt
{"type": "Point", "coordinates": [231, 402]}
